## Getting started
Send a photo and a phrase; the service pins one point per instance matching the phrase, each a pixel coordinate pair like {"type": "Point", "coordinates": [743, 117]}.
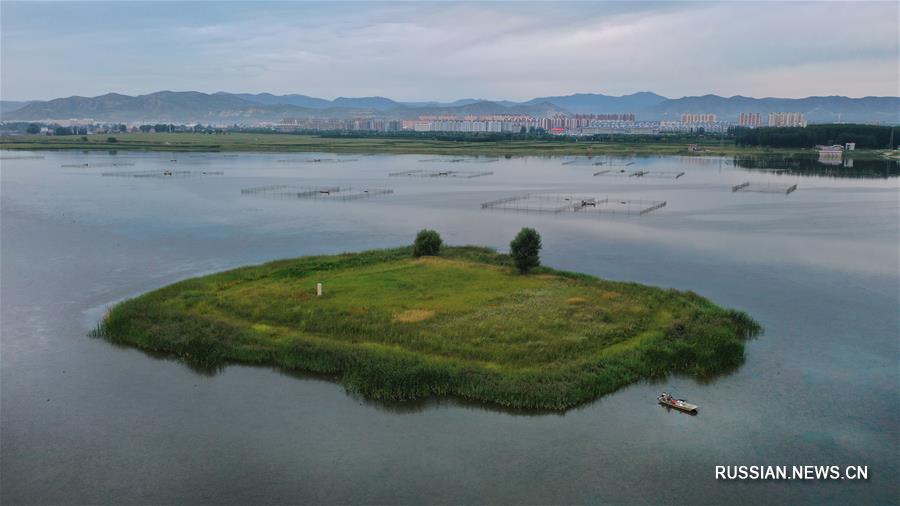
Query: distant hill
{"type": "Point", "coordinates": [293, 99]}
{"type": "Point", "coordinates": [171, 107]}
{"type": "Point", "coordinates": [248, 108]}
{"type": "Point", "coordinates": [11, 105]}
{"type": "Point", "coordinates": [191, 106]}
{"type": "Point", "coordinates": [375, 103]}
{"type": "Point", "coordinates": [588, 103]}
{"type": "Point", "coordinates": [455, 103]}
{"type": "Point", "coordinates": [816, 109]}
{"type": "Point", "coordinates": [168, 106]}
{"type": "Point", "coordinates": [481, 108]}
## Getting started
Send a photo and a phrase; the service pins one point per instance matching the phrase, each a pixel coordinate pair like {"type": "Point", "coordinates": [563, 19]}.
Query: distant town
{"type": "Point", "coordinates": [576, 115]}
{"type": "Point", "coordinates": [561, 124]}
{"type": "Point", "coordinates": [557, 124]}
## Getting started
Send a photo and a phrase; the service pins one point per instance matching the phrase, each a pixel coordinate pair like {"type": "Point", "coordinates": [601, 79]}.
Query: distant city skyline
{"type": "Point", "coordinates": [450, 51]}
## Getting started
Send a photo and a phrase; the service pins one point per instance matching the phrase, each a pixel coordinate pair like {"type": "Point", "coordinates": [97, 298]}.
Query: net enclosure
{"type": "Point", "coordinates": [568, 203]}
{"type": "Point", "coordinates": [466, 174]}
{"type": "Point", "coordinates": [748, 186]}
{"type": "Point", "coordinates": [460, 160]}
{"type": "Point", "coordinates": [162, 173]}
{"type": "Point", "coordinates": [660, 174]}
{"type": "Point", "coordinates": [316, 192]}
{"type": "Point", "coordinates": [97, 164]}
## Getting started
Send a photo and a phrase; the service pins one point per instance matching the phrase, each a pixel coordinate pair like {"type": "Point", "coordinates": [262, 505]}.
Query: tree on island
{"type": "Point", "coordinates": [525, 249]}
{"type": "Point", "coordinates": [427, 243]}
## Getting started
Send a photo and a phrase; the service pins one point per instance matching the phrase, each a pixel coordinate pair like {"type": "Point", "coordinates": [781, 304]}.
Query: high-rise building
{"type": "Point", "coordinates": [698, 118]}
{"type": "Point", "coordinates": [750, 119]}
{"type": "Point", "coordinates": [786, 119]}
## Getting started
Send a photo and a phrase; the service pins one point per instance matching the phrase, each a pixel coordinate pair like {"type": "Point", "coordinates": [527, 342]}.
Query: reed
{"type": "Point", "coordinates": [550, 340]}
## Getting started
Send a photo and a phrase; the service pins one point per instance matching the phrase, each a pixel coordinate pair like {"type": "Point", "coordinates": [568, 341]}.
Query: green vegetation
{"type": "Point", "coordinates": [525, 250]}
{"type": "Point", "coordinates": [391, 326]}
{"type": "Point", "coordinates": [427, 243]}
{"type": "Point", "coordinates": [865, 136]}
{"type": "Point", "coordinates": [285, 143]}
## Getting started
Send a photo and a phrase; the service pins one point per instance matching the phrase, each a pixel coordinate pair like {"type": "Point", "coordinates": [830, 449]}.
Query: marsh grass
{"type": "Point", "coordinates": [465, 324]}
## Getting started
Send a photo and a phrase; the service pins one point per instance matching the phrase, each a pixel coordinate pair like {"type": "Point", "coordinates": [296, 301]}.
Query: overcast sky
{"type": "Point", "coordinates": [443, 51]}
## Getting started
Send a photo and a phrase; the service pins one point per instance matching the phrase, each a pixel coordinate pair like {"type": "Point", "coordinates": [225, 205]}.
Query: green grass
{"type": "Point", "coordinates": [283, 143]}
{"type": "Point", "coordinates": [464, 324]}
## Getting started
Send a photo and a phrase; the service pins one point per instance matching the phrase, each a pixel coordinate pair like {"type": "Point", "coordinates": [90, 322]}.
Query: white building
{"type": "Point", "coordinates": [698, 118]}
{"type": "Point", "coordinates": [786, 119]}
{"type": "Point", "coordinates": [750, 119]}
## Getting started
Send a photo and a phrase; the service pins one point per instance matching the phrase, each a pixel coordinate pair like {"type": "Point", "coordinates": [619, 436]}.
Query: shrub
{"type": "Point", "coordinates": [427, 243]}
{"type": "Point", "coordinates": [112, 139]}
{"type": "Point", "coordinates": [525, 249]}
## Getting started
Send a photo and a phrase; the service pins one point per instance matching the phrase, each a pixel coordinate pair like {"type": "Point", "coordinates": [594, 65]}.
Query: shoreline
{"type": "Point", "coordinates": [289, 143]}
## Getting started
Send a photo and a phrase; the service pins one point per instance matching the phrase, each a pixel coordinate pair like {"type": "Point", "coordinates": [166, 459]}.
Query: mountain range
{"type": "Point", "coordinates": [248, 108]}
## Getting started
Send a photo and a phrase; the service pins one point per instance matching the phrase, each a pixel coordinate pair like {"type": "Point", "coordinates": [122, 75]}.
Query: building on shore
{"type": "Point", "coordinates": [698, 118]}
{"type": "Point", "coordinates": [579, 124]}
{"type": "Point", "coordinates": [692, 127]}
{"type": "Point", "coordinates": [559, 124]}
{"type": "Point", "coordinates": [750, 119]}
{"type": "Point", "coordinates": [336, 124]}
{"type": "Point", "coordinates": [786, 119]}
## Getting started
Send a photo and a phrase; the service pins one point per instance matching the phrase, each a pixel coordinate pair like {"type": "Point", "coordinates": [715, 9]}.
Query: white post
{"type": "Point", "coordinates": [318, 289]}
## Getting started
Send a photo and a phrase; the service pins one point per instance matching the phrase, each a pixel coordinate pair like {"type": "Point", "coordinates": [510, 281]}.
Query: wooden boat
{"type": "Point", "coordinates": [679, 404]}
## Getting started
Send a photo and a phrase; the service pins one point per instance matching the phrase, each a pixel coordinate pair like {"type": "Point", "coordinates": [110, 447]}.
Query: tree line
{"type": "Point", "coordinates": [865, 136]}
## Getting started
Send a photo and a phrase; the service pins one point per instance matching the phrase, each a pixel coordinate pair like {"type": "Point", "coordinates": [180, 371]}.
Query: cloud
{"type": "Point", "coordinates": [415, 51]}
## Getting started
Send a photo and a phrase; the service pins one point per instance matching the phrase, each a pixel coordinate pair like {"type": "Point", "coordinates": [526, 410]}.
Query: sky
{"type": "Point", "coordinates": [445, 51]}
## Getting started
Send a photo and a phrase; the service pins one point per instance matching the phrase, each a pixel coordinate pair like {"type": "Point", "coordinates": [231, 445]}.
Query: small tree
{"type": "Point", "coordinates": [427, 243]}
{"type": "Point", "coordinates": [525, 250]}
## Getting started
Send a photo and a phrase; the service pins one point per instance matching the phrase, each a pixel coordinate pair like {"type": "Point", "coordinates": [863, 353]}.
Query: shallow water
{"type": "Point", "coordinates": [83, 421]}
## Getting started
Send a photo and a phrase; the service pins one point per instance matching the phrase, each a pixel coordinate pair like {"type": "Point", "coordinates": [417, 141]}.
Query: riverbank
{"type": "Point", "coordinates": [463, 324]}
{"type": "Point", "coordinates": [285, 143]}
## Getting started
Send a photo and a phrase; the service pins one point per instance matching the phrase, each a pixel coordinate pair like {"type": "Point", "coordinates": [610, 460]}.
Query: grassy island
{"type": "Point", "coordinates": [465, 323]}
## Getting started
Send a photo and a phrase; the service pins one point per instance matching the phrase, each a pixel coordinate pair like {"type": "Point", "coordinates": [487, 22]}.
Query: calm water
{"type": "Point", "coordinates": [83, 421]}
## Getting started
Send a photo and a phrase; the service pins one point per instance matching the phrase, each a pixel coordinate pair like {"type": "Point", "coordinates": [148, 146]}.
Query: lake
{"type": "Point", "coordinates": [84, 421]}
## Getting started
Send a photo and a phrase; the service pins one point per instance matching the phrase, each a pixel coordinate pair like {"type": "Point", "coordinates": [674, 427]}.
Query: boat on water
{"type": "Point", "coordinates": [680, 404]}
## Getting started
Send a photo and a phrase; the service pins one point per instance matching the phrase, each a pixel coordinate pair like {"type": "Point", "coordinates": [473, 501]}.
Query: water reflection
{"type": "Point", "coordinates": [417, 405]}
{"type": "Point", "coordinates": [828, 167]}
{"type": "Point", "coordinates": [200, 369]}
